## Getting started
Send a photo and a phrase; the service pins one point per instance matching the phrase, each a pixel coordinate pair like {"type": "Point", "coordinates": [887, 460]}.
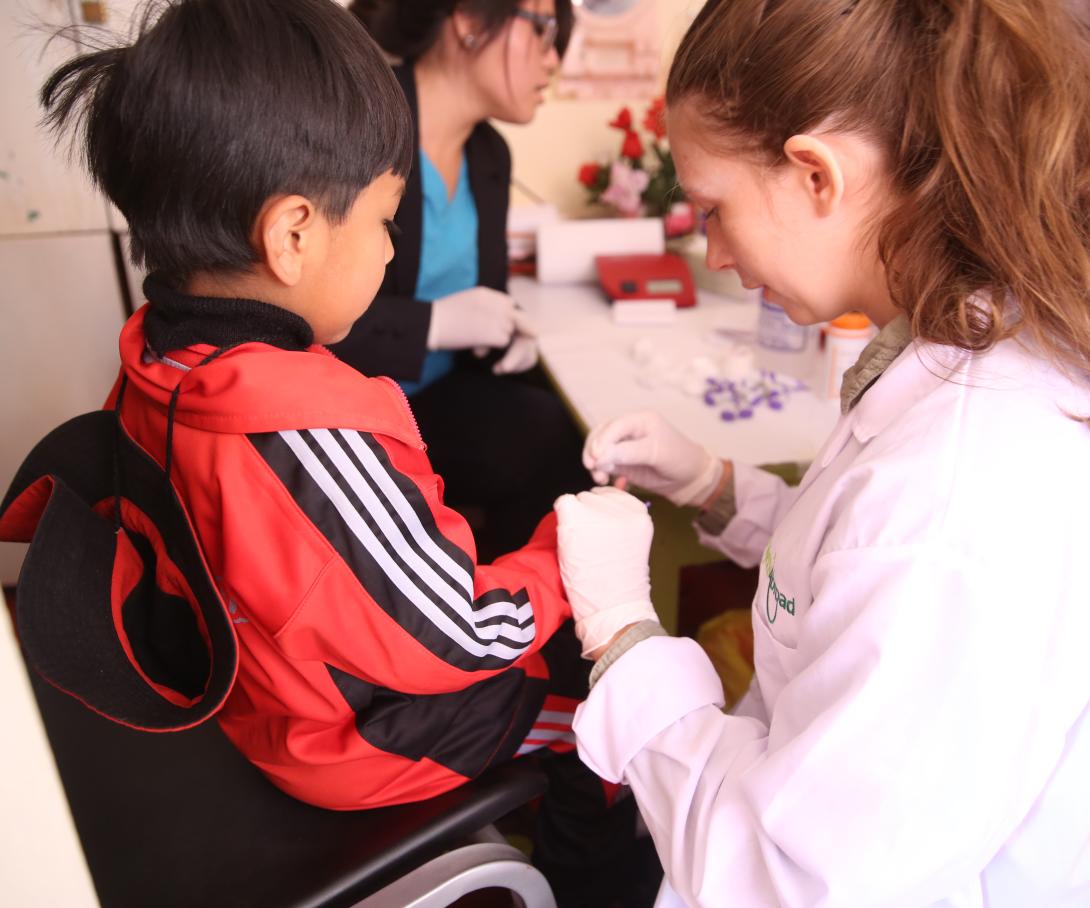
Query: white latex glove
{"type": "Point", "coordinates": [603, 543]}
{"type": "Point", "coordinates": [520, 356]}
{"type": "Point", "coordinates": [477, 317]}
{"type": "Point", "coordinates": [649, 452]}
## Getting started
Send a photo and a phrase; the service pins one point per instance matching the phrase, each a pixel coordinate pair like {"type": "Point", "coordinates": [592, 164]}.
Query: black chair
{"type": "Point", "coordinates": [183, 819]}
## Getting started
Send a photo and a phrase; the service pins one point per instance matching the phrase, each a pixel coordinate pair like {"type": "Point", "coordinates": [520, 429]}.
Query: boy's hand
{"type": "Point", "coordinates": [477, 317]}
{"type": "Point", "coordinates": [603, 543]}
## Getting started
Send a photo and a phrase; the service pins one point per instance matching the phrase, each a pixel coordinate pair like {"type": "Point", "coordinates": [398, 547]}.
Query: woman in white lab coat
{"type": "Point", "coordinates": [918, 730]}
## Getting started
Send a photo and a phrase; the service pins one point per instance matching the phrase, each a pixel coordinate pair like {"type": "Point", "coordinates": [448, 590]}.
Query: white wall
{"type": "Point", "coordinates": [60, 295]}
{"type": "Point", "coordinates": [39, 191]}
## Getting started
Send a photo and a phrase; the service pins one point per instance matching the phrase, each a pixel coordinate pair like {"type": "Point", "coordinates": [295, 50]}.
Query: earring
{"type": "Point", "coordinates": [469, 42]}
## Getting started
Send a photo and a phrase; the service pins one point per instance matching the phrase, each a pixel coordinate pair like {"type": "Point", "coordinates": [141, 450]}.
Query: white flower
{"type": "Point", "coordinates": [626, 185]}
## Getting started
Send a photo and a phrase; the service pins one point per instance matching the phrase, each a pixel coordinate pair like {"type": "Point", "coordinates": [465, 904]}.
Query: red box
{"type": "Point", "coordinates": [646, 277]}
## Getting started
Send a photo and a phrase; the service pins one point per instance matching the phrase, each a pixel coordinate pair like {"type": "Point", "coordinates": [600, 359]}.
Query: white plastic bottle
{"type": "Point", "coordinates": [775, 331]}
{"type": "Point", "coordinates": [845, 338]}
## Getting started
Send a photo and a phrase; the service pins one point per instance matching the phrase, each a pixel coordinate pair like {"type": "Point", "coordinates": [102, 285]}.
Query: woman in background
{"type": "Point", "coordinates": [499, 436]}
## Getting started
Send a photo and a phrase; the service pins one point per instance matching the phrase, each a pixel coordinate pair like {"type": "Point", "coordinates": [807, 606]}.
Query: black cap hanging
{"type": "Point", "coordinates": [115, 605]}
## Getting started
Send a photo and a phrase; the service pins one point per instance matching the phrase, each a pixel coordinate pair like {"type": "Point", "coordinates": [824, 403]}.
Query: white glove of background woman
{"type": "Point", "coordinates": [649, 452]}
{"type": "Point", "coordinates": [603, 543]}
{"type": "Point", "coordinates": [520, 356]}
{"type": "Point", "coordinates": [477, 317]}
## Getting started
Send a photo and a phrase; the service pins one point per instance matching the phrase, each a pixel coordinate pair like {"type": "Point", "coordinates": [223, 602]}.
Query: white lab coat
{"type": "Point", "coordinates": [917, 732]}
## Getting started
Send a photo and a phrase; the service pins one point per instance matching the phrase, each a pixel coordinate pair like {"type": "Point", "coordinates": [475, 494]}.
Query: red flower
{"type": "Point", "coordinates": [589, 173]}
{"type": "Point", "coordinates": [632, 147]}
{"type": "Point", "coordinates": [655, 119]}
{"type": "Point", "coordinates": [623, 120]}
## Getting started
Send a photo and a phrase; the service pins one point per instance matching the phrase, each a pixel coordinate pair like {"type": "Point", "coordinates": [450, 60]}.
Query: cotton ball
{"type": "Point", "coordinates": [693, 377]}
{"type": "Point", "coordinates": [643, 350]}
{"type": "Point", "coordinates": [741, 363]}
{"type": "Point", "coordinates": [654, 371]}
{"type": "Point", "coordinates": [694, 384]}
{"type": "Point", "coordinates": [675, 375]}
{"type": "Point", "coordinates": [705, 367]}
{"type": "Point", "coordinates": [649, 378]}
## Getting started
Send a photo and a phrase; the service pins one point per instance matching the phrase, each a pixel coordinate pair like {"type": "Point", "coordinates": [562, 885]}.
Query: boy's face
{"type": "Point", "coordinates": [358, 251]}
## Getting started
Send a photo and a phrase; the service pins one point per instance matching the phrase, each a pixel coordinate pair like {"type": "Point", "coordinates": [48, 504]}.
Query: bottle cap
{"type": "Point", "coordinates": [851, 321]}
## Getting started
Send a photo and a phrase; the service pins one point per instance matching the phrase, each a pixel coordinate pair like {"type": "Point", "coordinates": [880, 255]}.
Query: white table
{"type": "Point", "coordinates": [590, 358]}
{"type": "Point", "coordinates": [41, 861]}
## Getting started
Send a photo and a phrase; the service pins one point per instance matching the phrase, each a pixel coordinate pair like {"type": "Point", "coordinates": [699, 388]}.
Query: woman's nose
{"type": "Point", "coordinates": [718, 257]}
{"type": "Point", "coordinates": [552, 60]}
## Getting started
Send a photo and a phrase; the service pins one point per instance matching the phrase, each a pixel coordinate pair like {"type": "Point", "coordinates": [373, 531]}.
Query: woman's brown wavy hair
{"type": "Point", "coordinates": [982, 108]}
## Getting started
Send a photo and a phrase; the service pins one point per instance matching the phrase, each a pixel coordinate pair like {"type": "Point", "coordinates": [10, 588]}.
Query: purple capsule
{"type": "Point", "coordinates": [745, 414]}
{"type": "Point", "coordinates": [727, 416]}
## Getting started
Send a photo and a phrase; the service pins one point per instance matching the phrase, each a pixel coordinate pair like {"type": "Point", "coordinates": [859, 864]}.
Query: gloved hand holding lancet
{"type": "Point", "coordinates": [650, 453]}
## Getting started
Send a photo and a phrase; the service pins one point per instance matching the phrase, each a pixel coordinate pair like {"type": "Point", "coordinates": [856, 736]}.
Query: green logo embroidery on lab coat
{"type": "Point", "coordinates": [774, 599]}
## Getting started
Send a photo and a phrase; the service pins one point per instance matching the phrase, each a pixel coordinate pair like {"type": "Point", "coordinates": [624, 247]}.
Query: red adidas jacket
{"type": "Point", "coordinates": [378, 662]}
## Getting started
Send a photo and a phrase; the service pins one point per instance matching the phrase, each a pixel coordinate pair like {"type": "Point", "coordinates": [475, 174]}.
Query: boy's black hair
{"type": "Point", "coordinates": [219, 105]}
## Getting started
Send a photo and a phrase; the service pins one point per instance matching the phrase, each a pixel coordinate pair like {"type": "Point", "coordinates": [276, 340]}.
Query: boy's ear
{"type": "Point", "coordinates": [819, 171]}
{"type": "Point", "coordinates": [289, 234]}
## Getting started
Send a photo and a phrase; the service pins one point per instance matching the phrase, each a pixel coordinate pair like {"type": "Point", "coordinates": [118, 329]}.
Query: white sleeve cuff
{"type": "Point", "coordinates": [655, 683]}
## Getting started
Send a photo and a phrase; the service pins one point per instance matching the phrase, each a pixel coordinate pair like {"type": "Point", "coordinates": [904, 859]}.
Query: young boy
{"type": "Point", "coordinates": [257, 149]}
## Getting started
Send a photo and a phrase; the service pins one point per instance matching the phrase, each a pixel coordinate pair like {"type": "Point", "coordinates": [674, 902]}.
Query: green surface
{"type": "Point", "coordinates": [675, 546]}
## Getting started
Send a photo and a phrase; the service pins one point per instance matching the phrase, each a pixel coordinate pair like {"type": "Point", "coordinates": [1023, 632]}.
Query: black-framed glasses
{"type": "Point", "coordinates": [545, 27]}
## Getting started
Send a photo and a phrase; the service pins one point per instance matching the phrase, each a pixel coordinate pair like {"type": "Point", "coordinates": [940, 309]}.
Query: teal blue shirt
{"type": "Point", "coordinates": [448, 254]}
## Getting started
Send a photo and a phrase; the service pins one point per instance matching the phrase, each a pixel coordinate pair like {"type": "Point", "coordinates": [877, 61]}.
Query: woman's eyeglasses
{"type": "Point", "coordinates": [545, 27]}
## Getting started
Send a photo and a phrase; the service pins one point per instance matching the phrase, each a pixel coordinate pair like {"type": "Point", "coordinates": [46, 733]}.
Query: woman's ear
{"type": "Point", "coordinates": [819, 171]}
{"type": "Point", "coordinates": [466, 30]}
{"type": "Point", "coordinates": [289, 234]}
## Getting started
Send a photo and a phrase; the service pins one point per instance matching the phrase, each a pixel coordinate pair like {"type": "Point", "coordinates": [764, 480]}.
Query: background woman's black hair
{"type": "Point", "coordinates": [408, 28]}
{"type": "Point", "coordinates": [219, 105]}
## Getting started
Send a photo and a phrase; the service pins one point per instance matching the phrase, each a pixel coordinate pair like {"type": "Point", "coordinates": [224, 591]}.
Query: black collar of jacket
{"type": "Point", "coordinates": [489, 163]}
{"type": "Point", "coordinates": [177, 320]}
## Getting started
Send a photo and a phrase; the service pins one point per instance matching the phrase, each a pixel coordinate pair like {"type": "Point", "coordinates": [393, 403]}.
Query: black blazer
{"type": "Point", "coordinates": [391, 337]}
